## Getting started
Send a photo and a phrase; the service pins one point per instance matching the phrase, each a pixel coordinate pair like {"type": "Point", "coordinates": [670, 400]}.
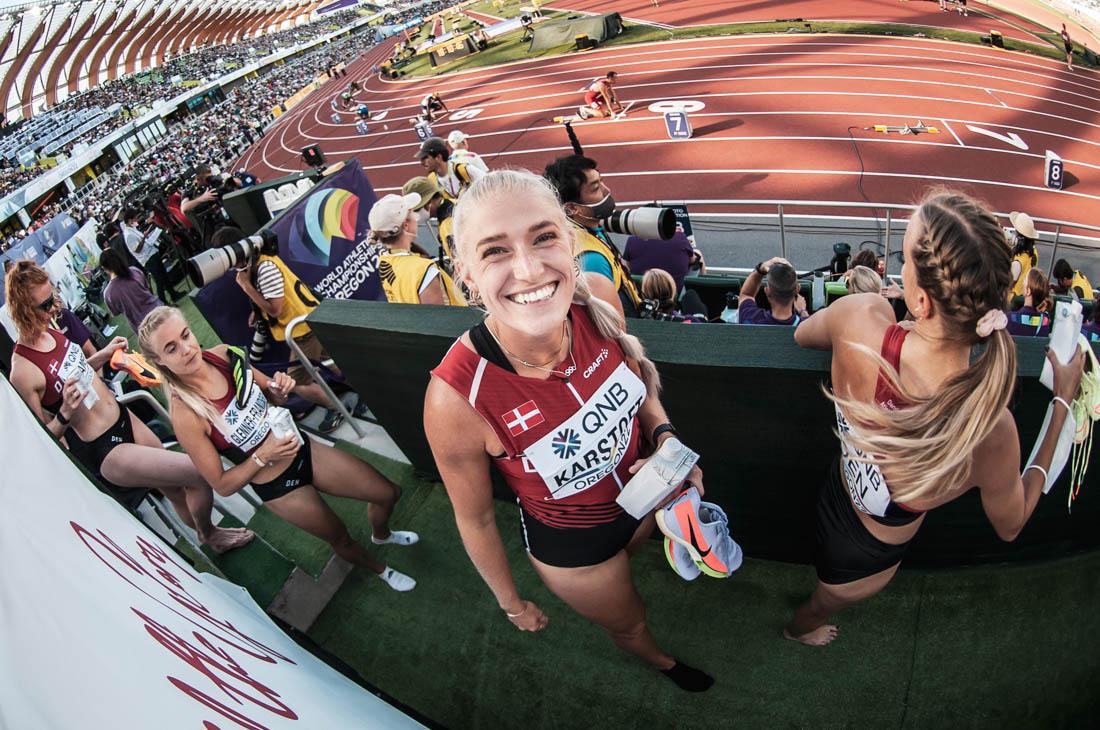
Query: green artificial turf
{"type": "Point", "coordinates": [1004, 646]}
{"type": "Point", "coordinates": [510, 47]}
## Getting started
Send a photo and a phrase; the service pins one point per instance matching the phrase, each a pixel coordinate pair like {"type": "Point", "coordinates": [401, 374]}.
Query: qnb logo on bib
{"type": "Point", "coordinates": [595, 365]}
{"type": "Point", "coordinates": [587, 447]}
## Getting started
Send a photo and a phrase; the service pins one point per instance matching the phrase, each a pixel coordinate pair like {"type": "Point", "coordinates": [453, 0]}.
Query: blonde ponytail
{"type": "Point", "coordinates": [927, 448]}
{"type": "Point", "coordinates": [961, 260]}
{"type": "Point", "coordinates": [610, 324]}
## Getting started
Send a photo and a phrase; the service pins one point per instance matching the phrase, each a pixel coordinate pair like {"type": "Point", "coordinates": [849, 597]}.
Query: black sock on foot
{"type": "Point", "coordinates": [688, 678]}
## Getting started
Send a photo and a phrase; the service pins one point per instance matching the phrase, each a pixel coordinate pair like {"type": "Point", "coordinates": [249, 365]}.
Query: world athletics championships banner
{"type": "Point", "coordinates": [323, 239]}
{"type": "Point", "coordinates": [104, 626]}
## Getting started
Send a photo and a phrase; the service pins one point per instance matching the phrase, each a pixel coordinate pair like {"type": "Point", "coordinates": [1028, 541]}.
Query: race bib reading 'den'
{"type": "Point", "coordinates": [246, 427]}
{"type": "Point", "coordinates": [580, 452]}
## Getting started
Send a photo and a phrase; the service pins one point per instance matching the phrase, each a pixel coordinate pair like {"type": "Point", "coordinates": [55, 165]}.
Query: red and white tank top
{"type": "Point", "coordinates": [241, 429]}
{"type": "Point", "coordinates": [866, 483]}
{"type": "Point", "coordinates": [63, 361]}
{"type": "Point", "coordinates": [568, 442]}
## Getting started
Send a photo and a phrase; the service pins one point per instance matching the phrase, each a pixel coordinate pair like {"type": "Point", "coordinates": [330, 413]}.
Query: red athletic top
{"type": "Point", "coordinates": [569, 441]}
{"type": "Point", "coordinates": [882, 509]}
{"type": "Point", "coordinates": [892, 341]}
{"type": "Point", "coordinates": [242, 429]}
{"type": "Point", "coordinates": [63, 361]}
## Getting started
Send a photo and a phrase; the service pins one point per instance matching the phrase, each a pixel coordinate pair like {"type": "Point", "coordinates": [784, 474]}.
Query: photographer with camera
{"type": "Point", "coordinates": [201, 201]}
{"type": "Point", "coordinates": [660, 302]}
{"type": "Point", "coordinates": [143, 247]}
{"type": "Point", "coordinates": [587, 202]}
{"type": "Point", "coordinates": [787, 306]}
{"type": "Point", "coordinates": [280, 296]}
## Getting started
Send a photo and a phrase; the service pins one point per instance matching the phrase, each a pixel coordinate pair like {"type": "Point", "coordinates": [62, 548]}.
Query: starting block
{"type": "Point", "coordinates": [914, 129]}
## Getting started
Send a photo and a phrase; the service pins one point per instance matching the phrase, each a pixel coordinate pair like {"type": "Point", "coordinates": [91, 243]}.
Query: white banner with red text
{"type": "Point", "coordinates": [103, 626]}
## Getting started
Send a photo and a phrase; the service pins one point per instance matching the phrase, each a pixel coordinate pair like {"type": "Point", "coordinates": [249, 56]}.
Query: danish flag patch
{"type": "Point", "coordinates": [523, 418]}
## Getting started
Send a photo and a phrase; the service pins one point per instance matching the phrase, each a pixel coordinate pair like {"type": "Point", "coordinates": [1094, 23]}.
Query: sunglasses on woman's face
{"type": "Point", "coordinates": [48, 304]}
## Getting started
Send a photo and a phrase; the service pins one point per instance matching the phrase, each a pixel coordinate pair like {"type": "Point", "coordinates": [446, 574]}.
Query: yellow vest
{"type": "Point", "coordinates": [1079, 280]}
{"type": "Point", "coordinates": [402, 273]}
{"type": "Point", "coordinates": [298, 299]}
{"type": "Point", "coordinates": [586, 242]}
{"type": "Point", "coordinates": [447, 238]}
{"type": "Point", "coordinates": [1024, 260]}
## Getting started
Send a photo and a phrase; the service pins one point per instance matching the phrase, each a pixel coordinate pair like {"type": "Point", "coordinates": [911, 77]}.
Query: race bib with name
{"type": "Point", "coordinates": [866, 484]}
{"type": "Point", "coordinates": [246, 427]}
{"type": "Point", "coordinates": [583, 450]}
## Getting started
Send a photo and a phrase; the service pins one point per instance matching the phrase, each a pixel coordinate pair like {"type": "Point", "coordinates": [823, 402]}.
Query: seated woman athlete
{"type": "Point", "coordinates": [51, 374]}
{"type": "Point", "coordinates": [219, 408]}
{"type": "Point", "coordinates": [553, 392]}
{"type": "Point", "coordinates": [934, 425]}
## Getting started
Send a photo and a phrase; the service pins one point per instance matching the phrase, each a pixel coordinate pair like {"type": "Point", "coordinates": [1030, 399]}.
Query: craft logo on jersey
{"type": "Point", "coordinates": [523, 418]}
{"type": "Point", "coordinates": [591, 444]}
{"type": "Point", "coordinates": [595, 365]}
{"type": "Point", "coordinates": [566, 443]}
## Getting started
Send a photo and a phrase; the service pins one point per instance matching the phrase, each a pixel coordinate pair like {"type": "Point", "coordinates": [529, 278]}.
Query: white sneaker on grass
{"type": "Point", "coordinates": [398, 537]}
{"type": "Point", "coordinates": [397, 581]}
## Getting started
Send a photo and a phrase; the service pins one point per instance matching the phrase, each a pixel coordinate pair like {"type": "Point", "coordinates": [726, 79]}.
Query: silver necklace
{"type": "Point", "coordinates": [563, 374]}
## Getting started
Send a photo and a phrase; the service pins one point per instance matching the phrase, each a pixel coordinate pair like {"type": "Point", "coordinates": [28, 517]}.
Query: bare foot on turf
{"type": "Point", "coordinates": [820, 636]}
{"type": "Point", "coordinates": [223, 539]}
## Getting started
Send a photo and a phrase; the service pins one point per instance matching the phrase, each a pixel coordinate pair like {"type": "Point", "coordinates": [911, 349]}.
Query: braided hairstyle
{"type": "Point", "coordinates": [529, 186]}
{"type": "Point", "coordinates": [961, 259]}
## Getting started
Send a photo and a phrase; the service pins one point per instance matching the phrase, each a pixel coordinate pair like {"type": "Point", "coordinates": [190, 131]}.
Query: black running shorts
{"type": "Point", "coordinates": [576, 547]}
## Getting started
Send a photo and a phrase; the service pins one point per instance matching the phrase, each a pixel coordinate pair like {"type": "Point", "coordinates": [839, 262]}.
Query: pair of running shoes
{"type": "Point", "coordinates": [697, 537]}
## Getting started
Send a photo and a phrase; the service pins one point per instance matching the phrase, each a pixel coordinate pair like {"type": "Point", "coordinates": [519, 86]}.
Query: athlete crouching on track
{"type": "Point", "coordinates": [111, 443]}
{"type": "Point", "coordinates": [217, 410]}
{"type": "Point", "coordinates": [935, 424]}
{"type": "Point", "coordinates": [551, 390]}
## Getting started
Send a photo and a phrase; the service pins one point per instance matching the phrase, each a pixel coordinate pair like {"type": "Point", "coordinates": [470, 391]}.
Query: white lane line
{"type": "Point", "coordinates": [952, 131]}
{"type": "Point", "coordinates": [995, 97]}
{"type": "Point", "coordinates": [562, 65]}
{"type": "Point", "coordinates": [686, 63]}
{"type": "Point", "coordinates": [678, 85]}
{"type": "Point", "coordinates": [765, 41]}
{"type": "Point", "coordinates": [754, 171]}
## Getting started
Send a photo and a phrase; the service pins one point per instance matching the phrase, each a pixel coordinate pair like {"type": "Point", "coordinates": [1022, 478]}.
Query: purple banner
{"type": "Point", "coordinates": [322, 239]}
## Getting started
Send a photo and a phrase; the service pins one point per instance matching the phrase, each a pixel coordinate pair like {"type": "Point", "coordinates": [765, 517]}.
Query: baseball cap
{"type": "Point", "coordinates": [1022, 222]}
{"type": "Point", "coordinates": [425, 187]}
{"type": "Point", "coordinates": [389, 213]}
{"type": "Point", "coordinates": [432, 146]}
{"type": "Point", "coordinates": [457, 137]}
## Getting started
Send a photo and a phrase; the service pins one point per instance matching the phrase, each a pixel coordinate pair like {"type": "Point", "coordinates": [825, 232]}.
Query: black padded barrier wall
{"type": "Point", "coordinates": [749, 400]}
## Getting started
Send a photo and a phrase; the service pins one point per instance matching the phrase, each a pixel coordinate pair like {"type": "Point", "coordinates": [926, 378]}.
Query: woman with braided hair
{"type": "Point", "coordinates": [919, 423]}
{"type": "Point", "coordinates": [551, 390]}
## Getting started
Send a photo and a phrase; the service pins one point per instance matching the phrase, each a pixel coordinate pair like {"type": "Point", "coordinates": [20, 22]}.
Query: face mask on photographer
{"type": "Point", "coordinates": [599, 211]}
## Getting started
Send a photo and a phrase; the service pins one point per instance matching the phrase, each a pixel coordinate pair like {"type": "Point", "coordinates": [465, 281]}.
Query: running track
{"type": "Point", "coordinates": [775, 124]}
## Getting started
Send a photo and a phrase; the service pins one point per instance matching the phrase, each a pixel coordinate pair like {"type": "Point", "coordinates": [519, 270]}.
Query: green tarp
{"type": "Point", "coordinates": [749, 400]}
{"type": "Point", "coordinates": [597, 27]}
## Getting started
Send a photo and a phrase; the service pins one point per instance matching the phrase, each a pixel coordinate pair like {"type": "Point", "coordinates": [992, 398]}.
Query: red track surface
{"type": "Point", "coordinates": [680, 13]}
{"type": "Point", "coordinates": [775, 123]}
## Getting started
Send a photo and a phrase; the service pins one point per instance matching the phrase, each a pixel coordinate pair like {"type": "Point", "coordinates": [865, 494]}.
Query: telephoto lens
{"type": "Point", "coordinates": [649, 223]}
{"type": "Point", "coordinates": [211, 264]}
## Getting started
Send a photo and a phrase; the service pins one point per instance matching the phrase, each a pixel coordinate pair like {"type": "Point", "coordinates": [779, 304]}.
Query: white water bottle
{"type": "Point", "coordinates": [1063, 341]}
{"type": "Point", "coordinates": [730, 315]}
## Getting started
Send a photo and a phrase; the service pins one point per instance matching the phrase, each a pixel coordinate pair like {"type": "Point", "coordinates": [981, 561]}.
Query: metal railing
{"type": "Point", "coordinates": [313, 373]}
{"type": "Point", "coordinates": [1054, 237]}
